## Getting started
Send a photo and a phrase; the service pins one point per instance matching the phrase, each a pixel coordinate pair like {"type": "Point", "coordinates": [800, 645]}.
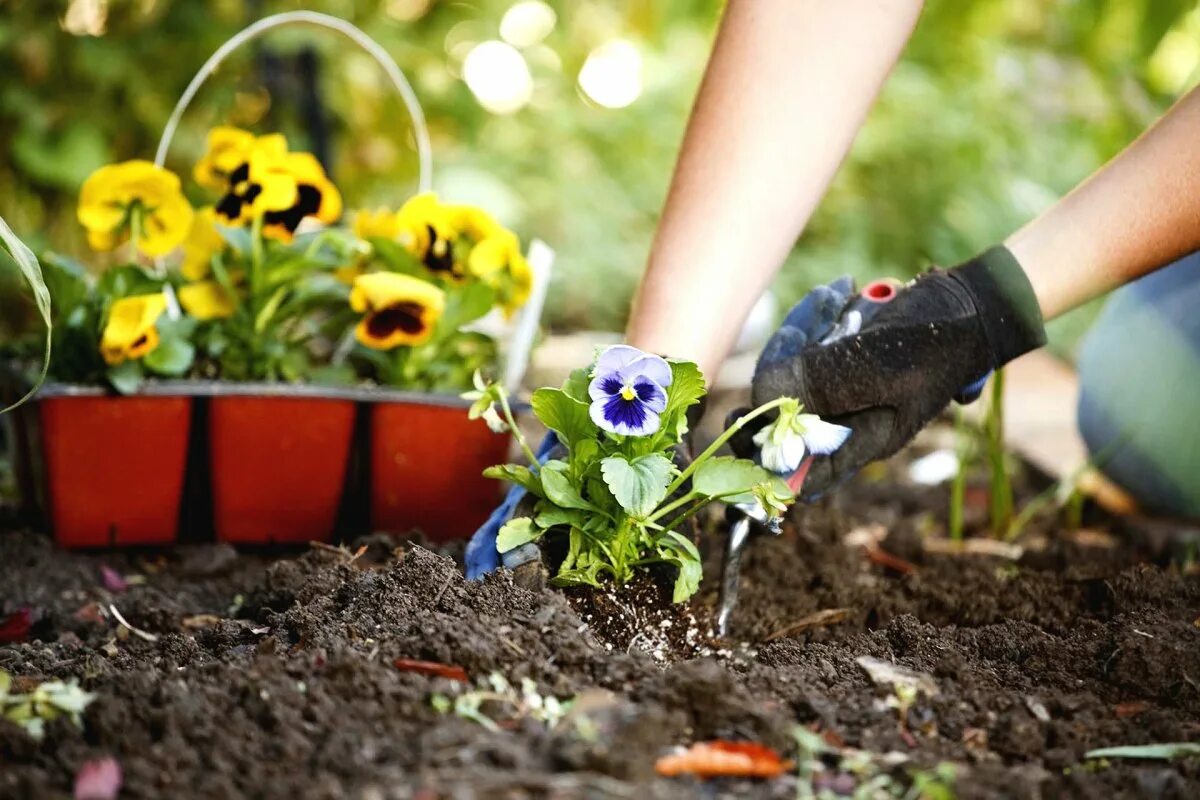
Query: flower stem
{"type": "Point", "coordinates": [738, 424]}
{"type": "Point", "coordinates": [516, 432]}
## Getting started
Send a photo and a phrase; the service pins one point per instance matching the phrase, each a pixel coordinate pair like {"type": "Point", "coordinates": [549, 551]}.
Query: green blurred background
{"type": "Point", "coordinates": [564, 118]}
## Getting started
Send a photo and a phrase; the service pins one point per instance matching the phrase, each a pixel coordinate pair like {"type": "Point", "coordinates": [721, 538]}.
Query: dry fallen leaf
{"type": "Point", "coordinates": [719, 758]}
{"type": "Point", "coordinates": [817, 619]}
{"type": "Point", "coordinates": [433, 668]}
{"type": "Point", "coordinates": [201, 621]}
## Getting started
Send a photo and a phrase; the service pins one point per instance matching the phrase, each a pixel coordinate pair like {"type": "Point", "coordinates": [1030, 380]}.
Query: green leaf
{"type": "Point", "coordinates": [729, 478]}
{"type": "Point", "coordinates": [268, 310]}
{"type": "Point", "coordinates": [1157, 752]}
{"type": "Point", "coordinates": [28, 264]}
{"type": "Point", "coordinates": [397, 258]}
{"type": "Point", "coordinates": [576, 385]}
{"type": "Point", "coordinates": [237, 238]}
{"type": "Point", "coordinates": [172, 357]}
{"type": "Point", "coordinates": [515, 533]}
{"type": "Point", "coordinates": [464, 305]}
{"type": "Point", "coordinates": [125, 377]}
{"type": "Point", "coordinates": [559, 489]}
{"type": "Point", "coordinates": [639, 485]}
{"type": "Point", "coordinates": [564, 415]}
{"type": "Point", "coordinates": [686, 389]}
{"type": "Point", "coordinates": [522, 476]}
{"type": "Point", "coordinates": [549, 516]}
{"type": "Point", "coordinates": [128, 280]}
{"type": "Point", "coordinates": [682, 552]}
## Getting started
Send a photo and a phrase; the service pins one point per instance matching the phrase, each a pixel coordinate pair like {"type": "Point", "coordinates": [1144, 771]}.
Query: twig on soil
{"type": "Point", "coordinates": [433, 668]}
{"type": "Point", "coordinates": [141, 634]}
{"type": "Point", "coordinates": [438, 597]}
{"type": "Point", "coordinates": [882, 558]}
{"type": "Point", "coordinates": [818, 619]}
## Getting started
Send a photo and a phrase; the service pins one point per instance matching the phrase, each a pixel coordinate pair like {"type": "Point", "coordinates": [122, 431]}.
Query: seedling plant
{"type": "Point", "coordinates": [617, 488]}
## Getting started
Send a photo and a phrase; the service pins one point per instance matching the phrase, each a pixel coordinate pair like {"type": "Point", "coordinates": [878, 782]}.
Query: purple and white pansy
{"type": "Point", "coordinates": [628, 391]}
{"type": "Point", "coordinates": [785, 442]}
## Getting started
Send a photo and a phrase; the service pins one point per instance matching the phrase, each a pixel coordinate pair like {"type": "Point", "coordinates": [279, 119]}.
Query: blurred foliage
{"type": "Point", "coordinates": [997, 109]}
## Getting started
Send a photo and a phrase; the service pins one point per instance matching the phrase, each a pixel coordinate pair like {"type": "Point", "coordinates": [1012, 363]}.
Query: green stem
{"type": "Point", "coordinates": [516, 432]}
{"type": "Point", "coordinates": [1000, 484]}
{"type": "Point", "coordinates": [669, 507]}
{"type": "Point", "coordinates": [722, 439]}
{"type": "Point", "coordinates": [958, 489]}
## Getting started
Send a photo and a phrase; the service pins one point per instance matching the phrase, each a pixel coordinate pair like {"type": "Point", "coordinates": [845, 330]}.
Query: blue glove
{"type": "Point", "coordinates": [481, 555]}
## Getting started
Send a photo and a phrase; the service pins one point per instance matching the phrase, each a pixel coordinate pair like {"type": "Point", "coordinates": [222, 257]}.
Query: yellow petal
{"type": "Point", "coordinates": [110, 194]}
{"type": "Point", "coordinates": [129, 331]}
{"type": "Point", "coordinates": [228, 148]}
{"type": "Point", "coordinates": [381, 224]}
{"type": "Point", "coordinates": [206, 300]}
{"type": "Point", "coordinates": [202, 242]}
{"type": "Point", "coordinates": [473, 222]}
{"type": "Point", "coordinates": [378, 290]}
{"type": "Point", "coordinates": [166, 226]}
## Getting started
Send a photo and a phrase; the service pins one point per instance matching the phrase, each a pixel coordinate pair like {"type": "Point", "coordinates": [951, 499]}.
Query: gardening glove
{"type": "Point", "coordinates": [936, 340]}
{"type": "Point", "coordinates": [481, 555]}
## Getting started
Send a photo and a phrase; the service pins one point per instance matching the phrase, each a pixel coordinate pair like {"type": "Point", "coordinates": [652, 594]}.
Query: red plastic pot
{"type": "Point", "coordinates": [278, 466]}
{"type": "Point", "coordinates": [426, 465]}
{"type": "Point", "coordinates": [114, 467]}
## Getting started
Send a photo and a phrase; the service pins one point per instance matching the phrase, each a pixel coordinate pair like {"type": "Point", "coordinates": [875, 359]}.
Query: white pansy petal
{"type": "Point", "coordinates": [653, 367]}
{"type": "Point", "coordinates": [615, 358]}
{"type": "Point", "coordinates": [793, 450]}
{"type": "Point", "coordinates": [823, 437]}
{"type": "Point", "coordinates": [651, 394]}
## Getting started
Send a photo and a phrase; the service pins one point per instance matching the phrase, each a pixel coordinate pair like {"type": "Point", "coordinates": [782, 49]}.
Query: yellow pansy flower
{"type": "Point", "coordinates": [202, 243]}
{"type": "Point", "coordinates": [473, 222]}
{"type": "Point", "coordinates": [316, 197]}
{"type": "Point", "coordinates": [134, 194]}
{"type": "Point", "coordinates": [206, 300]}
{"type": "Point", "coordinates": [228, 148]}
{"type": "Point", "coordinates": [498, 262]}
{"type": "Point", "coordinates": [130, 332]}
{"type": "Point", "coordinates": [261, 184]}
{"type": "Point", "coordinates": [378, 224]}
{"type": "Point", "coordinates": [398, 309]}
{"type": "Point", "coordinates": [427, 231]}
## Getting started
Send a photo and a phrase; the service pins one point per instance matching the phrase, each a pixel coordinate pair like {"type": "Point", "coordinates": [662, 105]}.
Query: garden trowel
{"type": "Point", "coordinates": [745, 518]}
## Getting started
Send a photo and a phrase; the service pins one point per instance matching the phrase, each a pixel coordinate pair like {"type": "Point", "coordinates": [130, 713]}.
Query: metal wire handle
{"type": "Point", "coordinates": [356, 35]}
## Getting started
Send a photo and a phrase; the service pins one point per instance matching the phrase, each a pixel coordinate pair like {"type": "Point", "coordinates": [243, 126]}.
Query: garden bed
{"type": "Point", "coordinates": [276, 676]}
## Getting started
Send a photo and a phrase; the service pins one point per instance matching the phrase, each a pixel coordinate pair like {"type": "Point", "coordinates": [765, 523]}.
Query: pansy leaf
{"type": "Point", "coordinates": [519, 475]}
{"type": "Point", "coordinates": [127, 280]}
{"type": "Point", "coordinates": [237, 238]}
{"type": "Point", "coordinates": [576, 385]}
{"type": "Point", "coordinates": [172, 357]}
{"type": "Point", "coordinates": [679, 550]}
{"type": "Point", "coordinates": [396, 257]}
{"type": "Point", "coordinates": [559, 490]}
{"type": "Point", "coordinates": [125, 377]}
{"type": "Point", "coordinates": [686, 389]}
{"type": "Point", "coordinates": [549, 515]}
{"type": "Point", "coordinates": [729, 478]}
{"type": "Point", "coordinates": [640, 484]}
{"type": "Point", "coordinates": [564, 415]}
{"type": "Point", "coordinates": [464, 305]}
{"type": "Point", "coordinates": [516, 532]}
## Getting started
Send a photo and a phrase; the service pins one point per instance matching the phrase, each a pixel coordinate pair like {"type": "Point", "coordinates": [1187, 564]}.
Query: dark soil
{"type": "Point", "coordinates": [274, 676]}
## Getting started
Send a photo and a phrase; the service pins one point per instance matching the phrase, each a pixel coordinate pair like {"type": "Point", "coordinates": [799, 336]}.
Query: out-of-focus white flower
{"type": "Point", "coordinates": [785, 442]}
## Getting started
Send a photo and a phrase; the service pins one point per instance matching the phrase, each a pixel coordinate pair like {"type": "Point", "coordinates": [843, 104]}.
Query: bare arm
{"type": "Point", "coordinates": [1141, 211]}
{"type": "Point", "coordinates": [787, 87]}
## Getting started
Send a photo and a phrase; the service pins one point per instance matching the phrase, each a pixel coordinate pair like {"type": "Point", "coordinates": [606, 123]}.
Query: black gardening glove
{"type": "Point", "coordinates": [935, 341]}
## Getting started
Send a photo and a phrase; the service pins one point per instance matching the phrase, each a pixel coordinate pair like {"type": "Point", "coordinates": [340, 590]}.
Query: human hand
{"type": "Point", "coordinates": [885, 370]}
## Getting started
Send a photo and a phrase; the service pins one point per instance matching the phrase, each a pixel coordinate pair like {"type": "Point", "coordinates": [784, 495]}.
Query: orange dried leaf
{"type": "Point", "coordinates": [433, 668]}
{"type": "Point", "coordinates": [723, 759]}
